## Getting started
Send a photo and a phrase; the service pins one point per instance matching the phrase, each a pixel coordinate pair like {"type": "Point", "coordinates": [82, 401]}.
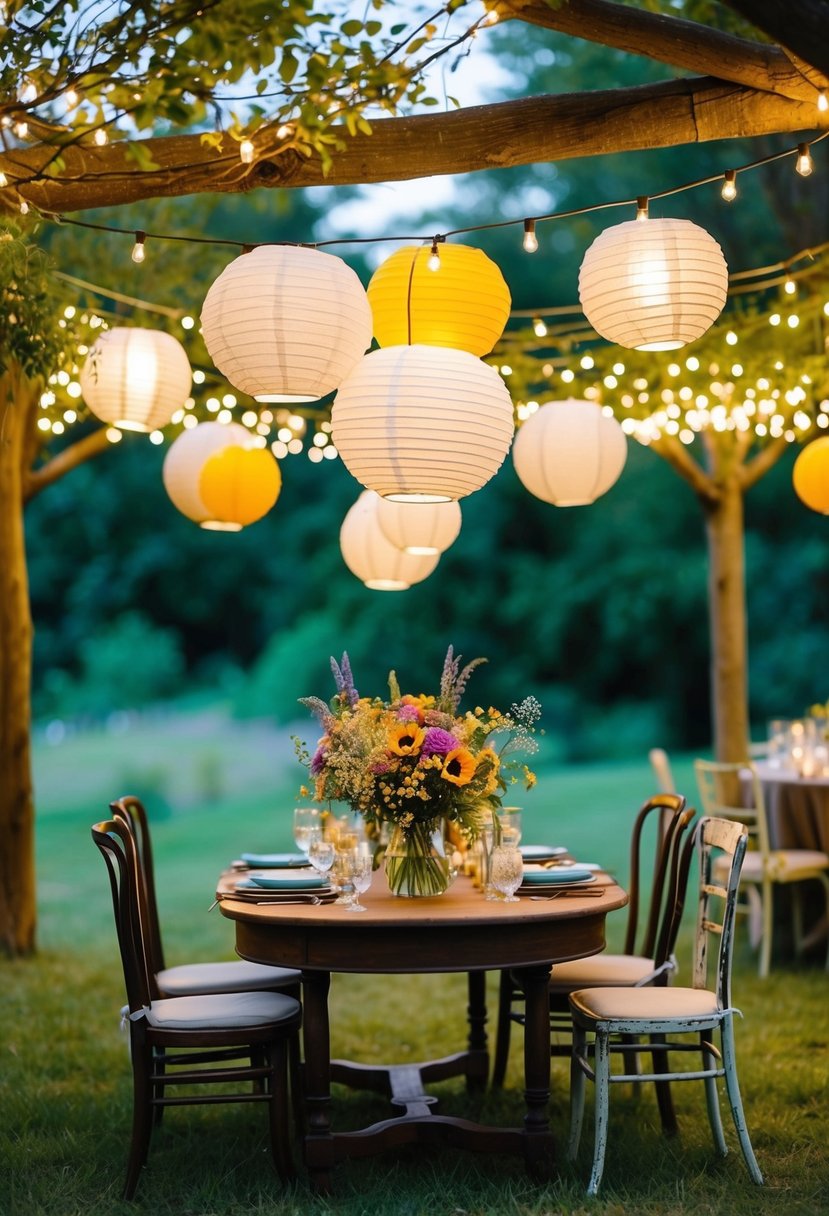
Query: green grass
{"type": "Point", "coordinates": [64, 1078]}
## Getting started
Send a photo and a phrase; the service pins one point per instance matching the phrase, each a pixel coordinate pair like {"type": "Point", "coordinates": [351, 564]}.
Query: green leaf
{"type": "Point", "coordinates": [288, 66]}
{"type": "Point", "coordinates": [351, 28]}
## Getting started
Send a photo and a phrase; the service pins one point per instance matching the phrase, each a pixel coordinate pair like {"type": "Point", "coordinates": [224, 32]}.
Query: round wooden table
{"type": "Point", "coordinates": [456, 932]}
{"type": "Point", "coordinates": [797, 808]}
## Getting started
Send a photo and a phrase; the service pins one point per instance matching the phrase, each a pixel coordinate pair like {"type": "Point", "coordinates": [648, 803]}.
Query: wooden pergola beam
{"type": "Point", "coordinates": [800, 25]}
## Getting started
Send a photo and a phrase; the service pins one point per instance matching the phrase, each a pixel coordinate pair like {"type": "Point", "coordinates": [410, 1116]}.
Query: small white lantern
{"type": "Point", "coordinates": [653, 284]}
{"type": "Point", "coordinates": [569, 452]}
{"type": "Point", "coordinates": [422, 423]}
{"type": "Point", "coordinates": [373, 558]}
{"type": "Point", "coordinates": [419, 527]}
{"type": "Point", "coordinates": [136, 379]}
{"type": "Point", "coordinates": [183, 464]}
{"type": "Point", "coordinates": [285, 323]}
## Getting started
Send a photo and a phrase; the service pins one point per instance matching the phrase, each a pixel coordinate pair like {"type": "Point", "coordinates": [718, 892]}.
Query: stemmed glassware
{"type": "Point", "coordinates": [359, 866]}
{"type": "Point", "coordinates": [306, 827]}
{"type": "Point", "coordinates": [321, 854]}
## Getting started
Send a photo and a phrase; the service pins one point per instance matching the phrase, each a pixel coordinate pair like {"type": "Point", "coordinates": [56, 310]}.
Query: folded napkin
{"type": "Point", "coordinates": [274, 861]}
{"type": "Point", "coordinates": [556, 875]}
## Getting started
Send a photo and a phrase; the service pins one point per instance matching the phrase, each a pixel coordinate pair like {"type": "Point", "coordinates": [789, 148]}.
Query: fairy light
{"type": "Point", "coordinates": [24, 207]}
{"type": "Point", "coordinates": [246, 151]}
{"type": "Point", "coordinates": [642, 207]}
{"type": "Point", "coordinates": [804, 164]}
{"type": "Point", "coordinates": [138, 251]}
{"type": "Point", "coordinates": [101, 138]}
{"type": "Point", "coordinates": [530, 239]}
{"type": "Point", "coordinates": [4, 181]}
{"type": "Point", "coordinates": [21, 129]}
{"type": "Point", "coordinates": [434, 256]}
{"type": "Point", "coordinates": [188, 322]}
{"type": "Point", "coordinates": [71, 98]}
{"type": "Point", "coordinates": [790, 287]}
{"type": "Point", "coordinates": [822, 101]}
{"type": "Point", "coordinates": [284, 131]}
{"type": "Point", "coordinates": [539, 328]}
{"type": "Point", "coordinates": [729, 186]}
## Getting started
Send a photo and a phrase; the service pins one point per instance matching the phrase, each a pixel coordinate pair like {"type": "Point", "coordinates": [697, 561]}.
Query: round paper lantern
{"type": "Point", "coordinates": [375, 560]}
{"type": "Point", "coordinates": [653, 284]}
{"type": "Point", "coordinates": [285, 323]}
{"type": "Point", "coordinates": [239, 485]}
{"type": "Point", "coordinates": [135, 379]}
{"type": "Point", "coordinates": [183, 464]}
{"type": "Point", "coordinates": [569, 452]}
{"type": "Point", "coordinates": [419, 527]}
{"type": "Point", "coordinates": [422, 423]}
{"type": "Point", "coordinates": [465, 303]}
{"type": "Point", "coordinates": [811, 475]}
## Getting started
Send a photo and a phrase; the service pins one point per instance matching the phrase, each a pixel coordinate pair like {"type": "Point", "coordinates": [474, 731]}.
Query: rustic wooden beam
{"type": "Point", "coordinates": [672, 40]}
{"type": "Point", "coordinates": [800, 25]}
{"type": "Point", "coordinates": [525, 131]}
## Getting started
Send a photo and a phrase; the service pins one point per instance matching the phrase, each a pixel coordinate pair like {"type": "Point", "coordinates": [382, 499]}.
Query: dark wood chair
{"type": "Point", "coordinates": [205, 1040]}
{"type": "Point", "coordinates": [647, 956]}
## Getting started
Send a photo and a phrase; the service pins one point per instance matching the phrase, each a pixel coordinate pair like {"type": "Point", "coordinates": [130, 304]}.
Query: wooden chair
{"type": "Point", "coordinates": [661, 767]}
{"type": "Point", "coordinates": [610, 1014]}
{"type": "Point", "coordinates": [734, 791]}
{"type": "Point", "coordinates": [188, 979]}
{"type": "Point", "coordinates": [217, 1030]}
{"type": "Point", "coordinates": [651, 963]}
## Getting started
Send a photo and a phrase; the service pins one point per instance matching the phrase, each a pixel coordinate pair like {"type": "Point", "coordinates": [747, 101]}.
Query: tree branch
{"type": "Point", "coordinates": [683, 463]}
{"type": "Point", "coordinates": [525, 131]}
{"type": "Point", "coordinates": [800, 25]}
{"type": "Point", "coordinates": [760, 464]}
{"type": "Point", "coordinates": [672, 40]}
{"type": "Point", "coordinates": [69, 458]}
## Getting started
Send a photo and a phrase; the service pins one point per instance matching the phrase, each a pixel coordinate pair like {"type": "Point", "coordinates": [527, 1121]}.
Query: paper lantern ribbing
{"type": "Point", "coordinates": [811, 475]}
{"type": "Point", "coordinates": [422, 423]}
{"type": "Point", "coordinates": [135, 379]}
{"type": "Point", "coordinates": [285, 323]}
{"type": "Point", "coordinates": [569, 452]}
{"type": "Point", "coordinates": [374, 559]}
{"type": "Point", "coordinates": [653, 284]}
{"type": "Point", "coordinates": [239, 485]}
{"type": "Point", "coordinates": [419, 527]}
{"type": "Point", "coordinates": [183, 465]}
{"type": "Point", "coordinates": [464, 304]}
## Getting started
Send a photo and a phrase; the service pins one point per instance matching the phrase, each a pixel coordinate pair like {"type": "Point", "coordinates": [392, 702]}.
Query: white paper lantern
{"type": "Point", "coordinates": [373, 558]}
{"type": "Point", "coordinates": [653, 284]}
{"type": "Point", "coordinates": [569, 452]}
{"type": "Point", "coordinates": [419, 527]}
{"type": "Point", "coordinates": [136, 379]}
{"type": "Point", "coordinates": [285, 323]}
{"type": "Point", "coordinates": [422, 423]}
{"type": "Point", "coordinates": [183, 464]}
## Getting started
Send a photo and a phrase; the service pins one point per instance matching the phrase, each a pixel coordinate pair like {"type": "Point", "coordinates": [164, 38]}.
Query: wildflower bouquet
{"type": "Point", "coordinates": [416, 761]}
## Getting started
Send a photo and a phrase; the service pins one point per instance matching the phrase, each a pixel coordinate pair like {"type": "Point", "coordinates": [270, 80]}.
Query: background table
{"type": "Point", "coordinates": [456, 932]}
{"type": "Point", "coordinates": [797, 808]}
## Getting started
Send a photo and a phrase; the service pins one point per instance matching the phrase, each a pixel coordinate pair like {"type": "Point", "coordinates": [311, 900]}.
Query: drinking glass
{"type": "Point", "coordinates": [506, 872]}
{"type": "Point", "coordinates": [360, 869]}
{"type": "Point", "coordinates": [321, 855]}
{"type": "Point", "coordinates": [510, 818]}
{"type": "Point", "coordinates": [306, 823]}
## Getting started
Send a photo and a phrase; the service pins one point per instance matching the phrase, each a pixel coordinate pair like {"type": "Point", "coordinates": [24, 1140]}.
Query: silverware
{"type": "Point", "coordinates": [586, 892]}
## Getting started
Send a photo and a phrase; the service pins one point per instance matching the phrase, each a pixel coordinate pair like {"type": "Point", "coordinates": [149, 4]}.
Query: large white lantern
{"type": "Point", "coordinates": [135, 379]}
{"type": "Point", "coordinates": [569, 452]}
{"type": "Point", "coordinates": [422, 423]}
{"type": "Point", "coordinates": [653, 284]}
{"type": "Point", "coordinates": [373, 558]}
{"type": "Point", "coordinates": [419, 527]}
{"type": "Point", "coordinates": [284, 323]}
{"type": "Point", "coordinates": [216, 476]}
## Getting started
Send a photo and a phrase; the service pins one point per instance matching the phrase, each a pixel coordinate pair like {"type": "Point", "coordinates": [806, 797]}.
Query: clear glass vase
{"type": "Point", "coordinates": [416, 863]}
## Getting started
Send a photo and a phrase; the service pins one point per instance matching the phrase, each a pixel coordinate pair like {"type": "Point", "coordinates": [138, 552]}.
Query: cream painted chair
{"type": "Point", "coordinates": [661, 766]}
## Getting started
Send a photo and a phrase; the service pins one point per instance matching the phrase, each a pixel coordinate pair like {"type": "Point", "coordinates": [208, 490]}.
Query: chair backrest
{"type": "Point", "coordinates": [117, 849]}
{"type": "Point", "coordinates": [717, 902]}
{"type": "Point", "coordinates": [733, 791]}
{"type": "Point", "coordinates": [661, 766]}
{"type": "Point", "coordinates": [675, 892]}
{"type": "Point", "coordinates": [667, 810]}
{"type": "Point", "coordinates": [130, 811]}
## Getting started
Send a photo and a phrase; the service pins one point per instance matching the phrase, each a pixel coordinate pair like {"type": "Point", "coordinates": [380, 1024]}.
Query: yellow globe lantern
{"type": "Point", "coordinates": [240, 485]}
{"type": "Point", "coordinates": [811, 475]}
{"type": "Point", "coordinates": [463, 303]}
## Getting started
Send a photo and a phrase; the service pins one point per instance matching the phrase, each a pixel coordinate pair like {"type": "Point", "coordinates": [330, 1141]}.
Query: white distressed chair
{"type": "Point", "coordinates": [725, 790]}
{"type": "Point", "coordinates": [608, 1013]}
{"type": "Point", "coordinates": [661, 767]}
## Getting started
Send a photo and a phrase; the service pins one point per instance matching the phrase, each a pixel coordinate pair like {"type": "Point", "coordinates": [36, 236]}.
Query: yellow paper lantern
{"type": "Point", "coordinates": [135, 379]}
{"type": "Point", "coordinates": [811, 475]}
{"type": "Point", "coordinates": [239, 485]}
{"type": "Point", "coordinates": [183, 464]}
{"type": "Point", "coordinates": [653, 284]}
{"type": "Point", "coordinates": [569, 452]}
{"type": "Point", "coordinates": [374, 559]}
{"type": "Point", "coordinates": [465, 303]}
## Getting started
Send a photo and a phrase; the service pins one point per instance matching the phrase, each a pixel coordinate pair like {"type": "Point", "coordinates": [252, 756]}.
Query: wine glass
{"type": "Point", "coordinates": [306, 823]}
{"type": "Point", "coordinates": [321, 854]}
{"type": "Point", "coordinates": [509, 817]}
{"type": "Point", "coordinates": [360, 870]}
{"type": "Point", "coordinates": [506, 871]}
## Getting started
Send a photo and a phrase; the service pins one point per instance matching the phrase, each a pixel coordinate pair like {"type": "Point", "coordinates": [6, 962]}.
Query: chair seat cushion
{"type": "Point", "coordinates": [784, 865]}
{"type": "Point", "coordinates": [225, 1011]}
{"type": "Point", "coordinates": [647, 1004]}
{"type": "Point", "coordinates": [200, 979]}
{"type": "Point", "coordinates": [622, 970]}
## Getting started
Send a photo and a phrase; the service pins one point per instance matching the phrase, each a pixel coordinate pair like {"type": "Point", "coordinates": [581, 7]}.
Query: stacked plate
{"type": "Point", "coordinates": [283, 884]}
{"type": "Point", "coordinates": [274, 861]}
{"type": "Point", "coordinates": [539, 879]}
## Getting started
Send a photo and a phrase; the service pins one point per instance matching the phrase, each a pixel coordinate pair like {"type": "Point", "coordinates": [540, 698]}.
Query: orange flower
{"type": "Point", "coordinates": [405, 738]}
{"type": "Point", "coordinates": [419, 703]}
{"type": "Point", "coordinates": [459, 766]}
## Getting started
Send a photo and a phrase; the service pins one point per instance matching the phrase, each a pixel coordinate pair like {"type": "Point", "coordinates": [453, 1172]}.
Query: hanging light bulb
{"type": "Point", "coordinates": [4, 181]}
{"type": "Point", "coordinates": [434, 256]}
{"type": "Point", "coordinates": [21, 129]}
{"type": "Point", "coordinates": [246, 152]}
{"type": "Point", "coordinates": [101, 137]}
{"type": "Point", "coordinates": [530, 239]}
{"type": "Point", "coordinates": [24, 207]}
{"type": "Point", "coordinates": [804, 164]}
{"type": "Point", "coordinates": [822, 101]}
{"type": "Point", "coordinates": [71, 98]}
{"type": "Point", "coordinates": [539, 328]}
{"type": "Point", "coordinates": [790, 287]}
{"type": "Point", "coordinates": [642, 207]}
{"type": "Point", "coordinates": [729, 186]}
{"type": "Point", "coordinates": [137, 254]}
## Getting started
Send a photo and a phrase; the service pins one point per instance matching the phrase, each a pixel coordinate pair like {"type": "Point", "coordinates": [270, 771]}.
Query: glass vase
{"type": "Point", "coordinates": [416, 863]}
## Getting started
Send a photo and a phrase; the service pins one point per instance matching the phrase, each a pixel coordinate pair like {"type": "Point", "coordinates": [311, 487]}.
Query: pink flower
{"type": "Point", "coordinates": [438, 742]}
{"type": "Point", "coordinates": [409, 713]}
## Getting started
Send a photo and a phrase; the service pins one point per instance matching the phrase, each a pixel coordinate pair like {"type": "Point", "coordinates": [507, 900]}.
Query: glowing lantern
{"type": "Point", "coordinates": [653, 284]}
{"type": "Point", "coordinates": [422, 423]}
{"type": "Point", "coordinates": [214, 494]}
{"type": "Point", "coordinates": [569, 452]}
{"type": "Point", "coordinates": [811, 475]}
{"type": "Point", "coordinates": [135, 379]}
{"type": "Point", "coordinates": [465, 303]}
{"type": "Point", "coordinates": [373, 558]}
{"type": "Point", "coordinates": [419, 527]}
{"type": "Point", "coordinates": [285, 323]}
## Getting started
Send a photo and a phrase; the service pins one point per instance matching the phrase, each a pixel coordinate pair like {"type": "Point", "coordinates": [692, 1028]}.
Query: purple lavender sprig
{"type": "Point", "coordinates": [453, 681]}
{"type": "Point", "coordinates": [344, 680]}
{"type": "Point", "coordinates": [319, 709]}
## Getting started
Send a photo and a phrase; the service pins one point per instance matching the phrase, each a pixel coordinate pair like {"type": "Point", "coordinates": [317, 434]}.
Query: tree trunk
{"type": "Point", "coordinates": [727, 610]}
{"type": "Point", "coordinates": [18, 400]}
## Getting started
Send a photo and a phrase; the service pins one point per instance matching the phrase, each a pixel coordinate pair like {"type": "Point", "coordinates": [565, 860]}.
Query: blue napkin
{"type": "Point", "coordinates": [558, 874]}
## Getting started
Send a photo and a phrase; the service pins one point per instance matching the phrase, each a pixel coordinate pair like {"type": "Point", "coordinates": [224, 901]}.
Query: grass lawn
{"type": "Point", "coordinates": [65, 1097]}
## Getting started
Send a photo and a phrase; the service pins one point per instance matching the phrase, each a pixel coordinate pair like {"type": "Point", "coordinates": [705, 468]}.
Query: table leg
{"type": "Point", "coordinates": [477, 1064]}
{"type": "Point", "coordinates": [317, 1074]}
{"type": "Point", "coordinates": [539, 1147]}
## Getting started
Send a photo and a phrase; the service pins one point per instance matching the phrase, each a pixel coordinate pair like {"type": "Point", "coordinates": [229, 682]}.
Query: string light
{"type": "Point", "coordinates": [530, 239]}
{"type": "Point", "coordinates": [804, 164]}
{"type": "Point", "coordinates": [246, 152]}
{"type": "Point", "coordinates": [822, 101]}
{"type": "Point", "coordinates": [434, 256]}
{"type": "Point", "coordinates": [21, 129]}
{"type": "Point", "coordinates": [101, 138]}
{"type": "Point", "coordinates": [729, 186]}
{"type": "Point", "coordinates": [138, 251]}
{"type": "Point", "coordinates": [642, 207]}
{"type": "Point", "coordinates": [24, 207]}
{"type": "Point", "coordinates": [284, 131]}
{"type": "Point", "coordinates": [539, 328]}
{"type": "Point", "coordinates": [71, 98]}
{"type": "Point", "coordinates": [790, 287]}
{"type": "Point", "coordinates": [4, 181]}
